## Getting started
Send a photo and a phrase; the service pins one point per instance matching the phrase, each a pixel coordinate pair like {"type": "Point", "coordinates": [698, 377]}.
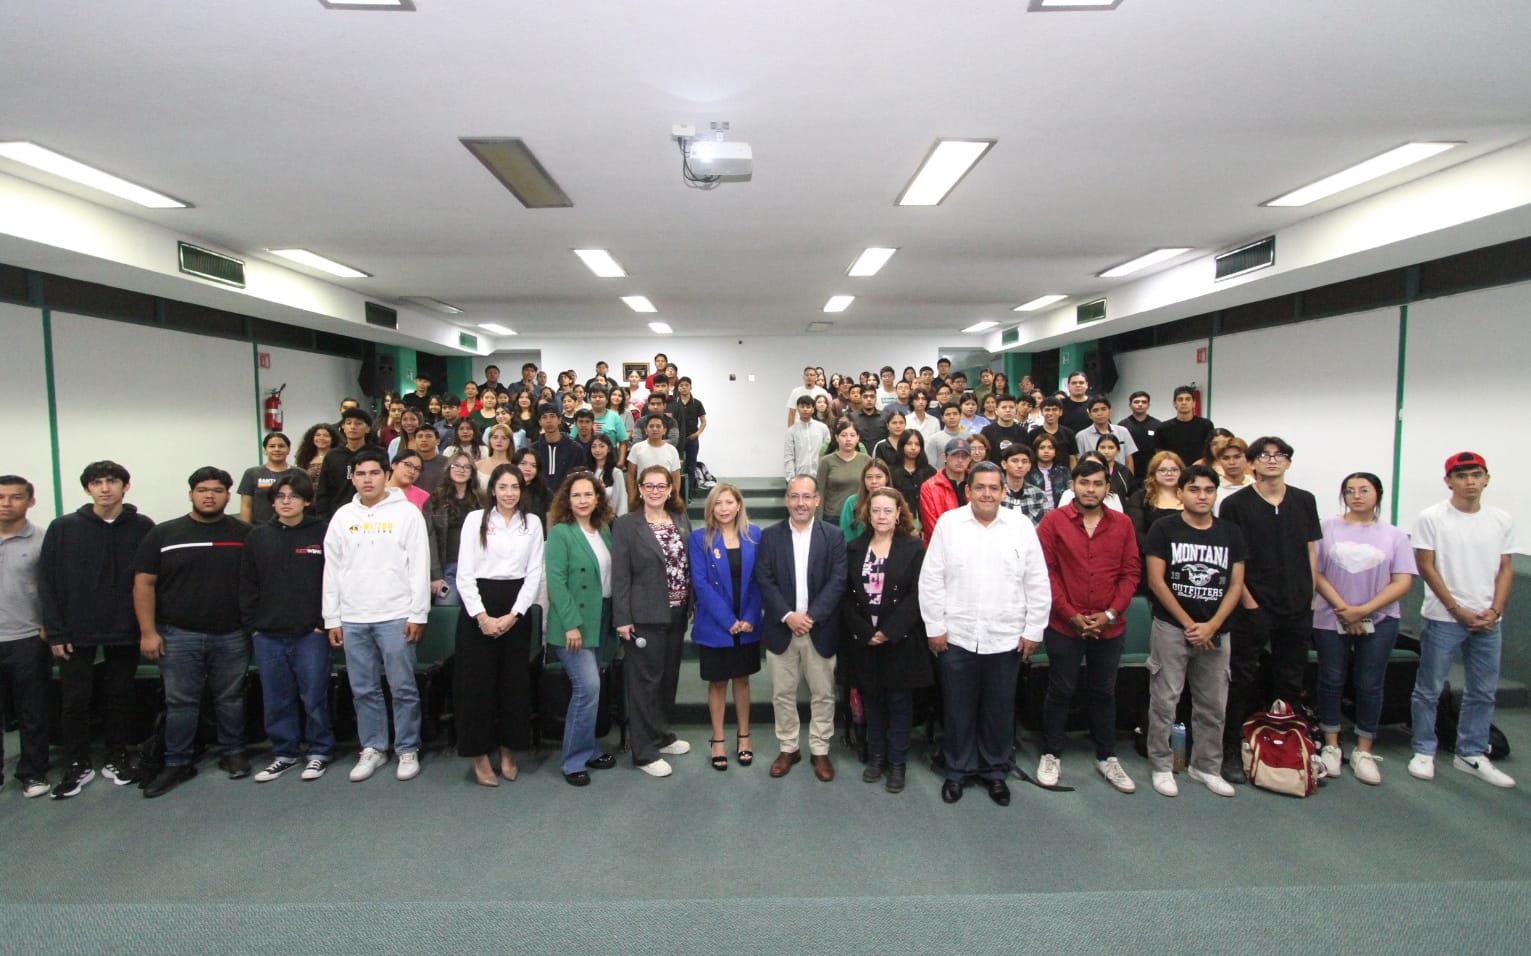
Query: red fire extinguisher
{"type": "Point", "coordinates": [1196, 395]}
{"type": "Point", "coordinates": [274, 409]}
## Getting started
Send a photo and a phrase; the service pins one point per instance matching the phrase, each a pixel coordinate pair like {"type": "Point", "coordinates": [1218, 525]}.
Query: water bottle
{"type": "Point", "coordinates": [1177, 746]}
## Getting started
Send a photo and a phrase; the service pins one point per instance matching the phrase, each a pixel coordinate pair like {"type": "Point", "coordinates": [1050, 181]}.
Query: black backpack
{"type": "Point", "coordinates": [1448, 716]}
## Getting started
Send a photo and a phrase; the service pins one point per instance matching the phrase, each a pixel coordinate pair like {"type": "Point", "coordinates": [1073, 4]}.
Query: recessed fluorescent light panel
{"type": "Point", "coordinates": [367, 4]}
{"type": "Point", "coordinates": [870, 261]}
{"type": "Point", "coordinates": [639, 303]}
{"type": "Point", "coordinates": [1051, 6]}
{"type": "Point", "coordinates": [947, 162]}
{"type": "Point", "coordinates": [1143, 262]}
{"type": "Point", "coordinates": [316, 261]}
{"type": "Point", "coordinates": [1040, 302]}
{"type": "Point", "coordinates": [496, 328]}
{"type": "Point", "coordinates": [660, 328]}
{"type": "Point", "coordinates": [839, 303]}
{"type": "Point", "coordinates": [58, 164]}
{"type": "Point", "coordinates": [601, 263]}
{"type": "Point", "coordinates": [1391, 161]}
{"type": "Point", "coordinates": [435, 305]}
{"type": "Point", "coordinates": [983, 326]}
{"type": "Point", "coordinates": [510, 161]}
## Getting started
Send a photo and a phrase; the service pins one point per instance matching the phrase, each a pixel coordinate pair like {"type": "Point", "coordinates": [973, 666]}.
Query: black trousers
{"type": "Point", "coordinates": [978, 722]}
{"type": "Point", "coordinates": [77, 685]}
{"type": "Point", "coordinates": [1101, 658]}
{"type": "Point", "coordinates": [1288, 636]}
{"type": "Point", "coordinates": [492, 677]}
{"type": "Point", "coordinates": [24, 674]}
{"type": "Point", "coordinates": [651, 675]}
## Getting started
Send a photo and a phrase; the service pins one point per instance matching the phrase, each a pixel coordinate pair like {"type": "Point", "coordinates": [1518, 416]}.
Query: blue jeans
{"type": "Point", "coordinates": [373, 650]}
{"type": "Point", "coordinates": [1438, 643]}
{"type": "Point", "coordinates": [689, 449]}
{"type": "Point", "coordinates": [1371, 652]}
{"type": "Point", "coordinates": [579, 722]}
{"type": "Point", "coordinates": [889, 717]}
{"type": "Point", "coordinates": [192, 661]}
{"type": "Point", "coordinates": [294, 671]}
{"type": "Point", "coordinates": [453, 599]}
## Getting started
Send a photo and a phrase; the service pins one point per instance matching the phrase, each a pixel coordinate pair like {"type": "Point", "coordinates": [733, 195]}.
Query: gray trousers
{"type": "Point", "coordinates": [651, 674]}
{"type": "Point", "coordinates": [1171, 663]}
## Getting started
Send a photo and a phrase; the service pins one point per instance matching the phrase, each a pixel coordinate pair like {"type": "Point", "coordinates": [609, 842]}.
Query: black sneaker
{"type": "Point", "coordinates": [168, 779]}
{"type": "Point", "coordinates": [277, 767]}
{"type": "Point", "coordinates": [602, 762]}
{"type": "Point", "coordinates": [75, 779]}
{"type": "Point", "coordinates": [119, 769]}
{"type": "Point", "coordinates": [237, 766]}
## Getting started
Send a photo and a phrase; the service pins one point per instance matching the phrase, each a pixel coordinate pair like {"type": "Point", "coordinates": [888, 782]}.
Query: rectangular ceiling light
{"type": "Point", "coordinates": [661, 328]}
{"type": "Point", "coordinates": [58, 164]}
{"type": "Point", "coordinates": [601, 263]}
{"type": "Point", "coordinates": [510, 161]}
{"type": "Point", "coordinates": [947, 162]}
{"type": "Point", "coordinates": [367, 4]}
{"type": "Point", "coordinates": [1049, 6]}
{"type": "Point", "coordinates": [496, 328]}
{"type": "Point", "coordinates": [839, 303]}
{"type": "Point", "coordinates": [1143, 262]}
{"type": "Point", "coordinates": [1040, 302]}
{"type": "Point", "coordinates": [315, 261]}
{"type": "Point", "coordinates": [870, 261]}
{"type": "Point", "coordinates": [435, 305]}
{"type": "Point", "coordinates": [983, 326]}
{"type": "Point", "coordinates": [1391, 161]}
{"type": "Point", "coordinates": [639, 303]}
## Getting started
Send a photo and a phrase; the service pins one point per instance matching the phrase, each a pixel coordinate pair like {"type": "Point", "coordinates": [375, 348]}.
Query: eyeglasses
{"type": "Point", "coordinates": [461, 466]}
{"type": "Point", "coordinates": [1272, 456]}
{"type": "Point", "coordinates": [651, 486]}
{"type": "Point", "coordinates": [1167, 471]}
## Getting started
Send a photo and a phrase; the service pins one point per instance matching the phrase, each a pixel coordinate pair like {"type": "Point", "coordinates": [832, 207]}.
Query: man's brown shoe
{"type": "Point", "coordinates": [784, 762]}
{"type": "Point", "coordinates": [822, 768]}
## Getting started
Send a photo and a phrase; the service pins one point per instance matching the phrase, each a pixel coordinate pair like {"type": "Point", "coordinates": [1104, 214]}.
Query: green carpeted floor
{"type": "Point", "coordinates": [737, 862]}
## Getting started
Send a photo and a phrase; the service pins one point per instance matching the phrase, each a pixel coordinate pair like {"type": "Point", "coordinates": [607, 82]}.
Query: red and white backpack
{"type": "Point", "coordinates": [1279, 754]}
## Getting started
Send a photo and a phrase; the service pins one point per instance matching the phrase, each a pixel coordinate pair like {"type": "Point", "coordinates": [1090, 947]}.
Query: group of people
{"type": "Point", "coordinates": [887, 575]}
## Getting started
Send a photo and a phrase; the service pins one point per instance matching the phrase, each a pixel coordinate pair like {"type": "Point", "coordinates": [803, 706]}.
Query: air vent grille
{"type": "Point", "coordinates": [1090, 311]}
{"type": "Point", "coordinates": [213, 266]}
{"type": "Point", "coordinates": [1256, 255]}
{"type": "Point", "coordinates": [467, 340]}
{"type": "Point", "coordinates": [382, 316]}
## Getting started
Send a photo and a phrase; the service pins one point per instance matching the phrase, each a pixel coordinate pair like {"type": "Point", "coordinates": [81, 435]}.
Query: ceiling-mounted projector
{"type": "Point", "coordinates": [711, 157]}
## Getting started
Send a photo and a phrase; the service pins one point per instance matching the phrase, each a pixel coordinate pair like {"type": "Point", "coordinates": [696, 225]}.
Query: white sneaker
{"type": "Point", "coordinates": [1363, 763]}
{"type": "Point", "coordinates": [676, 747]}
{"type": "Point", "coordinates": [1480, 767]}
{"type": "Point", "coordinates": [1422, 766]}
{"type": "Point", "coordinates": [34, 788]}
{"type": "Point", "coordinates": [1331, 760]}
{"type": "Point", "coordinates": [409, 766]}
{"type": "Point", "coordinates": [1112, 770]}
{"type": "Point", "coordinates": [367, 764]}
{"type": "Point", "coordinates": [1049, 769]}
{"type": "Point", "coordinates": [1164, 783]}
{"type": "Point", "coordinates": [315, 768]}
{"type": "Point", "coordinates": [659, 768]}
{"type": "Point", "coordinates": [1212, 781]}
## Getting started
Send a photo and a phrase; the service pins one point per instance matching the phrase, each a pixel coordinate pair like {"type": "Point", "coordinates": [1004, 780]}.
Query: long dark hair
{"type": "Point", "coordinates": [445, 499]}
{"type": "Point", "coordinates": [608, 471]}
{"type": "Point", "coordinates": [493, 504]}
{"type": "Point", "coordinates": [306, 449]}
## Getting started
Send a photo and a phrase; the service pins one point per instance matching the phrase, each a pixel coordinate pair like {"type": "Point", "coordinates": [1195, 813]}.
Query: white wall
{"type": "Point", "coordinates": [510, 362]}
{"type": "Point", "coordinates": [1465, 387]}
{"type": "Point", "coordinates": [162, 403]}
{"type": "Point", "coordinates": [315, 385]}
{"type": "Point", "coordinates": [744, 382]}
{"type": "Point", "coordinates": [1158, 371]}
{"type": "Point", "coordinates": [1328, 387]}
{"type": "Point", "coordinates": [29, 450]}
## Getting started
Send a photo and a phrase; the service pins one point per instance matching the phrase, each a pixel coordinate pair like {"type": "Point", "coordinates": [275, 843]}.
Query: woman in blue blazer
{"type": "Point", "coordinates": [727, 612]}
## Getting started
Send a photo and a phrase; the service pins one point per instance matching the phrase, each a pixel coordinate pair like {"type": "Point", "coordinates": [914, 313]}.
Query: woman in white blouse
{"type": "Point", "coordinates": [499, 574]}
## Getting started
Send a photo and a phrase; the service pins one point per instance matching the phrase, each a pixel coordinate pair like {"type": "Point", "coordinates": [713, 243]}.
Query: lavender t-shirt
{"type": "Point", "coordinates": [1360, 560]}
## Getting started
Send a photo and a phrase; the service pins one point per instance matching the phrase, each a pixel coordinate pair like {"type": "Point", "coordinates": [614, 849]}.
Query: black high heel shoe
{"type": "Point", "coordinates": [745, 755]}
{"type": "Point", "coordinates": [719, 761]}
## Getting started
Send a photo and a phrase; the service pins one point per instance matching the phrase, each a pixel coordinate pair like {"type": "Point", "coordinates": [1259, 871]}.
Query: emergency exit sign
{"type": "Point", "coordinates": [1201, 355]}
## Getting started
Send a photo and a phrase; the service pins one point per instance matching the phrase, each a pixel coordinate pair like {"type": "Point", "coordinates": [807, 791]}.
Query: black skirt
{"type": "Point", "coordinates": [726, 663]}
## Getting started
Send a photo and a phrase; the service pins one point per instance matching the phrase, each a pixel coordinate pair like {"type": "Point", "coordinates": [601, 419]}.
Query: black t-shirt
{"type": "Point", "coordinates": [1279, 574]}
{"type": "Point", "coordinates": [1076, 415]}
{"type": "Point", "coordinates": [1063, 440]}
{"type": "Point", "coordinates": [255, 482]}
{"type": "Point", "coordinates": [1001, 437]}
{"type": "Point", "coordinates": [1142, 433]}
{"type": "Point", "coordinates": [1198, 564]}
{"type": "Point", "coordinates": [197, 566]}
{"type": "Point", "coordinates": [1186, 439]}
{"type": "Point", "coordinates": [686, 414]}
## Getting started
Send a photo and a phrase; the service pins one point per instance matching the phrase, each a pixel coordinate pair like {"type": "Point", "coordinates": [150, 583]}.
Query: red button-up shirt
{"type": "Point", "coordinates": [1089, 573]}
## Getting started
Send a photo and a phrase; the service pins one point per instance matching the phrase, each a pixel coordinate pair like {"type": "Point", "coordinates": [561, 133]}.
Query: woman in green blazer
{"type": "Point", "coordinates": [578, 555]}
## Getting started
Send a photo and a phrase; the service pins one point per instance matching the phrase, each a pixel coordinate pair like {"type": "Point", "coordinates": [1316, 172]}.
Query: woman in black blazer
{"type": "Point", "coordinates": [887, 636]}
{"type": "Point", "coordinates": [650, 604]}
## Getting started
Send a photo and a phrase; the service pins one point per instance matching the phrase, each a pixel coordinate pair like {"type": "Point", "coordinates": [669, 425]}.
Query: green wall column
{"type": "Point", "coordinates": [459, 370]}
{"type": "Point", "coordinates": [1071, 360]}
{"type": "Point", "coordinates": [1017, 364]}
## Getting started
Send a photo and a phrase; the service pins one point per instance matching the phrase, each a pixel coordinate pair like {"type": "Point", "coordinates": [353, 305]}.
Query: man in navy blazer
{"type": "Point", "coordinates": [800, 571]}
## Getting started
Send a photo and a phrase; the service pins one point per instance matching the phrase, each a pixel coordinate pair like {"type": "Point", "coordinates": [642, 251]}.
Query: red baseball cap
{"type": "Point", "coordinates": [1465, 459]}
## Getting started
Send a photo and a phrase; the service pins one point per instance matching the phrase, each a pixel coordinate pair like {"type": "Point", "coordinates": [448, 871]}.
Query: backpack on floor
{"type": "Point", "coordinates": [1448, 716]}
{"type": "Point", "coordinates": [1278, 752]}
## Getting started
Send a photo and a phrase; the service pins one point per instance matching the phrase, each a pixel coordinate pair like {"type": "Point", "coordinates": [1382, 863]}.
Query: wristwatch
{"type": "Point", "coordinates": [1110, 616]}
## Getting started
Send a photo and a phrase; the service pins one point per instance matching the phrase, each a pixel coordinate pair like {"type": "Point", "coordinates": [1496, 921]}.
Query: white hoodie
{"type": "Point", "coordinates": [377, 563]}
